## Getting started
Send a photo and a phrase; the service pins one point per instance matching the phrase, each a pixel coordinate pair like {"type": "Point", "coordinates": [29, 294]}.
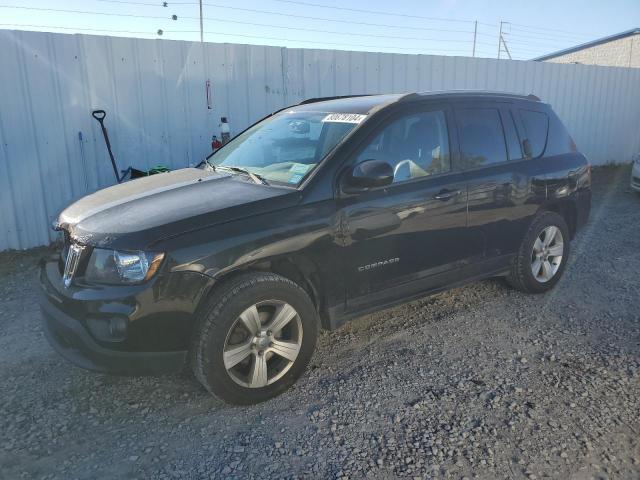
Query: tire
{"type": "Point", "coordinates": [235, 318]}
{"type": "Point", "coordinates": [521, 276]}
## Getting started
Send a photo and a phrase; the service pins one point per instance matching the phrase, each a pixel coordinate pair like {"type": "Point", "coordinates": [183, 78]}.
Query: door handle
{"type": "Point", "coordinates": [446, 194]}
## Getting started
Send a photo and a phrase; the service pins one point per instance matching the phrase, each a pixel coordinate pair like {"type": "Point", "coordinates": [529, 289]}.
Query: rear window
{"type": "Point", "coordinates": [536, 127]}
{"type": "Point", "coordinates": [481, 136]}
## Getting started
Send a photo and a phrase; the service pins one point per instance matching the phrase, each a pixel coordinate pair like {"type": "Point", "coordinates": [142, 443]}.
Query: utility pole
{"type": "Point", "coordinates": [506, 49]}
{"type": "Point", "coordinates": [502, 43]}
{"type": "Point", "coordinates": [475, 34]}
{"type": "Point", "coordinates": [201, 30]}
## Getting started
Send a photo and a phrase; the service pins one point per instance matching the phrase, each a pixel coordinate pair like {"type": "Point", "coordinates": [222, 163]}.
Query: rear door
{"type": "Point", "coordinates": [504, 188]}
{"type": "Point", "coordinates": [400, 238]}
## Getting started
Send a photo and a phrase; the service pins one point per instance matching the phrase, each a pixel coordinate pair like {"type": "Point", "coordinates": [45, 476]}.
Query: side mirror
{"type": "Point", "coordinates": [526, 147]}
{"type": "Point", "coordinates": [369, 174]}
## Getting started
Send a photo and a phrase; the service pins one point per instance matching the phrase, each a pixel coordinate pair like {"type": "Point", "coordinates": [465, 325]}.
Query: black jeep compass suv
{"type": "Point", "coordinates": [318, 213]}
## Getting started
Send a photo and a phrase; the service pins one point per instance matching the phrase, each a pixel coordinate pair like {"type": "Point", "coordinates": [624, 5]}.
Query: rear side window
{"type": "Point", "coordinates": [513, 142]}
{"type": "Point", "coordinates": [481, 137]}
{"type": "Point", "coordinates": [558, 141]}
{"type": "Point", "coordinates": [536, 128]}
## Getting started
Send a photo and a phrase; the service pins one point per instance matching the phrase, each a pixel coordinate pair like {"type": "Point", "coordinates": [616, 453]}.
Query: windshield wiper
{"type": "Point", "coordinates": [253, 176]}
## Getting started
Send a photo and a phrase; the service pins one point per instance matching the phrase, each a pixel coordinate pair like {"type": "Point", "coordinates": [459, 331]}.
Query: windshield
{"type": "Point", "coordinates": [285, 148]}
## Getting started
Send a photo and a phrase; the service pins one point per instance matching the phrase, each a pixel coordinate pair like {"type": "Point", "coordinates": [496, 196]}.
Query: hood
{"type": "Point", "coordinates": [139, 213]}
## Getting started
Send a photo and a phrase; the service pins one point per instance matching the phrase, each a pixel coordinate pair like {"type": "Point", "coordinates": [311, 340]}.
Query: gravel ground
{"type": "Point", "coordinates": [481, 381]}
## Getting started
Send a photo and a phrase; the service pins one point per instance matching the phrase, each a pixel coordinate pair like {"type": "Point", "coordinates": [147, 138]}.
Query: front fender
{"type": "Point", "coordinates": [305, 236]}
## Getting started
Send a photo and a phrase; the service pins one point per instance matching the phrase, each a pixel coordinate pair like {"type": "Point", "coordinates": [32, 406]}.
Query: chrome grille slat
{"type": "Point", "coordinates": [74, 254]}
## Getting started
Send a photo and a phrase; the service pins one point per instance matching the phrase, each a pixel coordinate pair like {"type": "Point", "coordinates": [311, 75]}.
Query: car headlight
{"type": "Point", "coordinates": [117, 266]}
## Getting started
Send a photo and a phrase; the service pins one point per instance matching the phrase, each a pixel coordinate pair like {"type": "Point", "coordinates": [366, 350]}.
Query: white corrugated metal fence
{"type": "Point", "coordinates": [154, 92]}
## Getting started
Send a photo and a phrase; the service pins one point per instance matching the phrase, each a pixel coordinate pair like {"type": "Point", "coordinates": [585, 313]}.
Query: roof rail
{"type": "Point", "coordinates": [324, 99]}
{"type": "Point", "coordinates": [471, 93]}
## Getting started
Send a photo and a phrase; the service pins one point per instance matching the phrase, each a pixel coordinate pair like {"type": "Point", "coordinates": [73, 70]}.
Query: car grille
{"type": "Point", "coordinates": [72, 259]}
{"type": "Point", "coordinates": [74, 255]}
{"type": "Point", "coordinates": [64, 252]}
{"type": "Point", "coordinates": [635, 181]}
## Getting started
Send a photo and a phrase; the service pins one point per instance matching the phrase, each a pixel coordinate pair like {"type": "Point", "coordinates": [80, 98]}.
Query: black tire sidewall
{"type": "Point", "coordinates": [216, 378]}
{"type": "Point", "coordinates": [546, 220]}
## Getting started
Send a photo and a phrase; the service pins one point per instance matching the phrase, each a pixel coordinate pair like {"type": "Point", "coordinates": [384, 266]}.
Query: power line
{"type": "Point", "coordinates": [77, 28]}
{"type": "Point", "coordinates": [375, 12]}
{"type": "Point", "coordinates": [557, 36]}
{"type": "Point", "coordinates": [546, 34]}
{"type": "Point", "coordinates": [319, 18]}
{"type": "Point", "coordinates": [86, 12]}
{"type": "Point", "coordinates": [525, 49]}
{"type": "Point", "coordinates": [518, 50]}
{"type": "Point", "coordinates": [333, 32]}
{"type": "Point", "coordinates": [340, 33]}
{"type": "Point", "coordinates": [542, 39]}
{"type": "Point", "coordinates": [232, 8]}
{"type": "Point", "coordinates": [541, 44]}
{"type": "Point", "coordinates": [323, 42]}
{"type": "Point", "coordinates": [157, 4]}
{"type": "Point", "coordinates": [321, 31]}
{"type": "Point", "coordinates": [529, 31]}
{"type": "Point", "coordinates": [236, 35]}
{"type": "Point", "coordinates": [551, 30]}
{"type": "Point", "coordinates": [348, 22]}
{"type": "Point", "coordinates": [310, 4]}
{"type": "Point", "coordinates": [524, 42]}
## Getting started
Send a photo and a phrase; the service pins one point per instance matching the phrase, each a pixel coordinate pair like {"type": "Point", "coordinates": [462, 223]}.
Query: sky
{"type": "Point", "coordinates": [439, 27]}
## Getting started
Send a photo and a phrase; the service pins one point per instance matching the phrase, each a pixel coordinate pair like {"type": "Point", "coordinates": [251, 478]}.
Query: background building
{"type": "Point", "coordinates": [619, 50]}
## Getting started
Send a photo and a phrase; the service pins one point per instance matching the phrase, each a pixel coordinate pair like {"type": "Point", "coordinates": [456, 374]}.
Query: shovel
{"type": "Point", "coordinates": [99, 115]}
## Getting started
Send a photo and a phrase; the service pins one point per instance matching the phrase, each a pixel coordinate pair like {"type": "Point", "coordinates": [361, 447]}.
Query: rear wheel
{"type": "Point", "coordinates": [542, 256]}
{"type": "Point", "coordinates": [254, 338]}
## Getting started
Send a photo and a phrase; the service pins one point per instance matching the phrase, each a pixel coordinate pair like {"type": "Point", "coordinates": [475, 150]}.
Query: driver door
{"type": "Point", "coordinates": [406, 238]}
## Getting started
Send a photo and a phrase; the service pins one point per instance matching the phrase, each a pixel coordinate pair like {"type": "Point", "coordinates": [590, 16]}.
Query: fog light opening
{"type": "Point", "coordinates": [118, 328]}
{"type": "Point", "coordinates": [108, 329]}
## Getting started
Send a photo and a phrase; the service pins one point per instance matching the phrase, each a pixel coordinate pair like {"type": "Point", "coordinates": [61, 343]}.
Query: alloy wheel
{"type": "Point", "coordinates": [263, 344]}
{"type": "Point", "coordinates": [546, 257]}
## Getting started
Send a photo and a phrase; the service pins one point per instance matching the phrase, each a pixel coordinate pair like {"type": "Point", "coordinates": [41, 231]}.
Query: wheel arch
{"type": "Point", "coordinates": [300, 271]}
{"type": "Point", "coordinates": [567, 209]}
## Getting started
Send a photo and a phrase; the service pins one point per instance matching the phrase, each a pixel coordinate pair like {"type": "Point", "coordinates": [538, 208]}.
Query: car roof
{"type": "Point", "coordinates": [365, 104]}
{"type": "Point", "coordinates": [362, 104]}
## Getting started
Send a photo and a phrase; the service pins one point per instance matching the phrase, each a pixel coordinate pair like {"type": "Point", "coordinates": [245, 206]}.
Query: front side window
{"type": "Point", "coordinates": [415, 146]}
{"type": "Point", "coordinates": [285, 148]}
{"type": "Point", "coordinates": [481, 137]}
{"type": "Point", "coordinates": [536, 127]}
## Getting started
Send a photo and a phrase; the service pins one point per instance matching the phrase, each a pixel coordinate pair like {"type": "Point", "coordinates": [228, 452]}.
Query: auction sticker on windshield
{"type": "Point", "coordinates": [299, 168]}
{"type": "Point", "coordinates": [344, 117]}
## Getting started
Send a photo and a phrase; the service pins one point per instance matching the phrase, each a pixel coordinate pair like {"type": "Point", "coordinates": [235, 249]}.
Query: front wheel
{"type": "Point", "coordinates": [542, 256]}
{"type": "Point", "coordinates": [254, 339]}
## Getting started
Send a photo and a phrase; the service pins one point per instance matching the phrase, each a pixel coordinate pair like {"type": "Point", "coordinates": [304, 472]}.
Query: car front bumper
{"type": "Point", "coordinates": [158, 318]}
{"type": "Point", "coordinates": [73, 342]}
